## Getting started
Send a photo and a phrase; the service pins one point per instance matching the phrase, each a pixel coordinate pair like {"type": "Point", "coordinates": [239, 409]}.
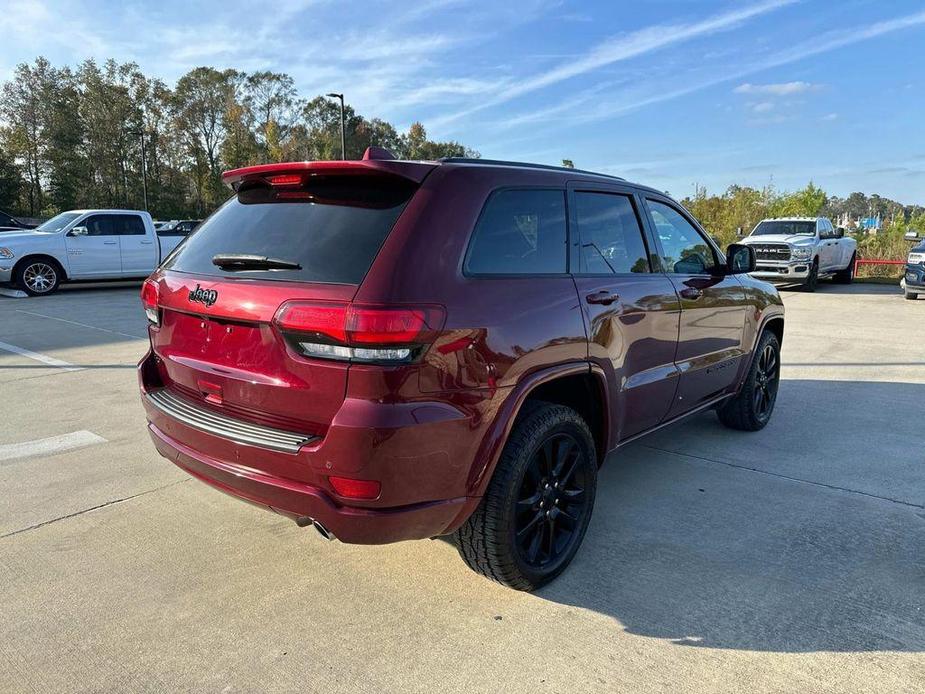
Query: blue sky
{"type": "Point", "coordinates": [665, 92]}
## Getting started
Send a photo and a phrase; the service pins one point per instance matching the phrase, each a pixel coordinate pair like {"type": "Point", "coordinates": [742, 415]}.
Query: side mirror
{"type": "Point", "coordinates": [740, 259]}
{"type": "Point", "coordinates": [840, 232]}
{"type": "Point", "coordinates": [79, 231]}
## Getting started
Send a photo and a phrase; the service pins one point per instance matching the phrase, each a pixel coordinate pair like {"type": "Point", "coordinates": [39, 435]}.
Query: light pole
{"type": "Point", "coordinates": [144, 164]}
{"type": "Point", "coordinates": [343, 133]}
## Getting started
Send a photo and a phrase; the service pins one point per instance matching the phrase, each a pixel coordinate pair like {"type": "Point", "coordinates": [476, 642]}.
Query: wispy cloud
{"type": "Point", "coordinates": [566, 112]}
{"type": "Point", "coordinates": [779, 89]}
{"type": "Point", "coordinates": [619, 49]}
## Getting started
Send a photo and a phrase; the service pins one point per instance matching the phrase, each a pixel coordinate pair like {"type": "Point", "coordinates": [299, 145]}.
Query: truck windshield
{"type": "Point", "coordinates": [785, 228]}
{"type": "Point", "coordinates": [58, 222]}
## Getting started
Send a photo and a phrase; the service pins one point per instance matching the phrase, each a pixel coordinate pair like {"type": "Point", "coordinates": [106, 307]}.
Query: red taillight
{"type": "Point", "coordinates": [352, 331]}
{"type": "Point", "coordinates": [327, 319]}
{"type": "Point", "coordinates": [385, 326]}
{"type": "Point", "coordinates": [355, 489]}
{"type": "Point", "coordinates": [149, 297]}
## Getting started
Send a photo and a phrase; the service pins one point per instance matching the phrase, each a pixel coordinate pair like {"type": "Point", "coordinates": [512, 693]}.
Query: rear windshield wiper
{"type": "Point", "coordinates": [243, 261]}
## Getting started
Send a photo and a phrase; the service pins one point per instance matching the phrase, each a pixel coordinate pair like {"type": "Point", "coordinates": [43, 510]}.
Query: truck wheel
{"type": "Point", "coordinates": [809, 285]}
{"type": "Point", "coordinates": [537, 506]}
{"type": "Point", "coordinates": [846, 276]}
{"type": "Point", "coordinates": [912, 296]}
{"type": "Point", "coordinates": [751, 408]}
{"type": "Point", "coordinates": [38, 276]}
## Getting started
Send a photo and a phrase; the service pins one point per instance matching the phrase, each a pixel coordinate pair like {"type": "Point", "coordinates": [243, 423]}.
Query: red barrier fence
{"type": "Point", "coordinates": [867, 261]}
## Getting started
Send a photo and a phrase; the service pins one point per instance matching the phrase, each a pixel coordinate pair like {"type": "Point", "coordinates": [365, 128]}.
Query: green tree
{"type": "Point", "coordinates": [11, 183]}
{"type": "Point", "coordinates": [201, 98]}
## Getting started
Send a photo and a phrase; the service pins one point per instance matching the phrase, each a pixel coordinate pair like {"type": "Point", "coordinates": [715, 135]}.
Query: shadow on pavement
{"type": "Point", "coordinates": [696, 548]}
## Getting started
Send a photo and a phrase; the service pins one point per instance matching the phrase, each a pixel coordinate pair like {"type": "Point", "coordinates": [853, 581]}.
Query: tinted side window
{"type": "Point", "coordinates": [99, 225]}
{"type": "Point", "coordinates": [686, 251]}
{"type": "Point", "coordinates": [6, 220]}
{"type": "Point", "coordinates": [128, 224]}
{"type": "Point", "coordinates": [611, 236]}
{"type": "Point", "coordinates": [520, 232]}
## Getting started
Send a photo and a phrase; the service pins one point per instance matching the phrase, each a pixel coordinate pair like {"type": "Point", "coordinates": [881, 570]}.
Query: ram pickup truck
{"type": "Point", "coordinates": [82, 245]}
{"type": "Point", "coordinates": [802, 250]}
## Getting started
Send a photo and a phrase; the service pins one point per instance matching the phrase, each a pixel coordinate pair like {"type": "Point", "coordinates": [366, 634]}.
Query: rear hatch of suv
{"type": "Point", "coordinates": [294, 236]}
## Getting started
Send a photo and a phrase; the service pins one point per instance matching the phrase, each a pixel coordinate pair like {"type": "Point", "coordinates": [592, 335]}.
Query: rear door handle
{"type": "Point", "coordinates": [691, 293]}
{"type": "Point", "coordinates": [110, 243]}
{"type": "Point", "coordinates": [147, 243]}
{"type": "Point", "coordinates": [602, 297]}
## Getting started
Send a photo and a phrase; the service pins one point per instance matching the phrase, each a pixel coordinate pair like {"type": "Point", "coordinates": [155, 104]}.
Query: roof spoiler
{"type": "Point", "coordinates": [376, 161]}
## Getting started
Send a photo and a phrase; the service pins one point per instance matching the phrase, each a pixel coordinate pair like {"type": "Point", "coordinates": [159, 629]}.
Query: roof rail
{"type": "Point", "coordinates": [524, 165]}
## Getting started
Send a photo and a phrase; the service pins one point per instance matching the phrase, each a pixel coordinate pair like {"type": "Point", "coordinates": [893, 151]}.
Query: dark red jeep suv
{"type": "Point", "coordinates": [391, 350]}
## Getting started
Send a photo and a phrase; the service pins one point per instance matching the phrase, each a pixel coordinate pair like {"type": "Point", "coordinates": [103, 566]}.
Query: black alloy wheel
{"type": "Point", "coordinates": [537, 505]}
{"type": "Point", "coordinates": [766, 380]}
{"type": "Point", "coordinates": [552, 502]}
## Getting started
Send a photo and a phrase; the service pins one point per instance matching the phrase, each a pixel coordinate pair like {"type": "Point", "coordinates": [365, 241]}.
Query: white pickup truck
{"type": "Point", "coordinates": [83, 245]}
{"type": "Point", "coordinates": [801, 250]}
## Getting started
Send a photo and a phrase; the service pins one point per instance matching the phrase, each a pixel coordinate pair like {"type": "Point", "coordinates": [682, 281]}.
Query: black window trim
{"type": "Point", "coordinates": [626, 191]}
{"type": "Point", "coordinates": [464, 267]}
{"type": "Point", "coordinates": [719, 256]}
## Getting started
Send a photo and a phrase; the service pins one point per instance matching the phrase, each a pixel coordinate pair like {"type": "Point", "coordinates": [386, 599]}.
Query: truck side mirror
{"type": "Point", "coordinates": [740, 259]}
{"type": "Point", "coordinates": [79, 231]}
{"type": "Point", "coordinates": [840, 232]}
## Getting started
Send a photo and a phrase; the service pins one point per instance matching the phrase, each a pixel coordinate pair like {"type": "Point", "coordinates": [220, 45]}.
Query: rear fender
{"type": "Point", "coordinates": [494, 439]}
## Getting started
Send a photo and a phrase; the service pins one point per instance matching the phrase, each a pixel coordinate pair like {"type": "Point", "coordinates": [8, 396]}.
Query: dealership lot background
{"type": "Point", "coordinates": [786, 559]}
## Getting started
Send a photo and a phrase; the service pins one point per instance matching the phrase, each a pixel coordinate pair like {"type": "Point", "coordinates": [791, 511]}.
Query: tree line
{"type": "Point", "coordinates": [73, 138]}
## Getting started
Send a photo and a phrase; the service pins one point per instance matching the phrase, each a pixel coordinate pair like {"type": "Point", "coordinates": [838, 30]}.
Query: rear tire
{"type": "Point", "coordinates": [38, 276]}
{"type": "Point", "coordinates": [751, 408]}
{"type": "Point", "coordinates": [538, 503]}
{"type": "Point", "coordinates": [846, 276]}
{"type": "Point", "coordinates": [809, 285]}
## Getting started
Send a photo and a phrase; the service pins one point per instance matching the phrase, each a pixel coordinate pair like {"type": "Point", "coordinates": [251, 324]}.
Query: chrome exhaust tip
{"type": "Point", "coordinates": [324, 532]}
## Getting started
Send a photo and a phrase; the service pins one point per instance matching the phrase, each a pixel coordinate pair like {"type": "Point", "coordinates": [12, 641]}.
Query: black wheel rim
{"type": "Point", "coordinates": [552, 502]}
{"type": "Point", "coordinates": [766, 377]}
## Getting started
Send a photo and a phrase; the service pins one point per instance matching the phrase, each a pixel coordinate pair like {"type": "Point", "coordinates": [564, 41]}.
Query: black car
{"type": "Point", "coordinates": [915, 272]}
{"type": "Point", "coordinates": [181, 227]}
{"type": "Point", "coordinates": [9, 223]}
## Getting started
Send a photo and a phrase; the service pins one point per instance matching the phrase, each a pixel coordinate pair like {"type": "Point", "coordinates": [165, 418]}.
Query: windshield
{"type": "Point", "coordinates": [58, 222]}
{"type": "Point", "coordinates": [785, 228]}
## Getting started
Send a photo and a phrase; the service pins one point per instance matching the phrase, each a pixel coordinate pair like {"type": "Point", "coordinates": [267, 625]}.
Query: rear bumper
{"type": "Point", "coordinates": [421, 452]}
{"type": "Point", "coordinates": [299, 500]}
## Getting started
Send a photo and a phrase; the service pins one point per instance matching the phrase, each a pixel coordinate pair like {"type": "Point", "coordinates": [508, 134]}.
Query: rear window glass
{"type": "Point", "coordinates": [520, 232]}
{"type": "Point", "coordinates": [332, 226]}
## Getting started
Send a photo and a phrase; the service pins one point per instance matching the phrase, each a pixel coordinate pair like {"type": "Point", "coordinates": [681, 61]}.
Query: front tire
{"type": "Point", "coordinates": [912, 296]}
{"type": "Point", "coordinates": [809, 285]}
{"type": "Point", "coordinates": [846, 276]}
{"type": "Point", "coordinates": [38, 276]}
{"type": "Point", "coordinates": [538, 503]}
{"type": "Point", "coordinates": [751, 408]}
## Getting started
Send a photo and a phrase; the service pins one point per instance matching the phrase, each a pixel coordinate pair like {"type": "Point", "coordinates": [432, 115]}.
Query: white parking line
{"type": "Point", "coordinates": [84, 325]}
{"type": "Point", "coordinates": [50, 445]}
{"type": "Point", "coordinates": [44, 358]}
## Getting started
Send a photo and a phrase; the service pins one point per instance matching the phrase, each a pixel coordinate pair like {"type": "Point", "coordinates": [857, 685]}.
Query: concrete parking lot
{"type": "Point", "coordinates": [792, 559]}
